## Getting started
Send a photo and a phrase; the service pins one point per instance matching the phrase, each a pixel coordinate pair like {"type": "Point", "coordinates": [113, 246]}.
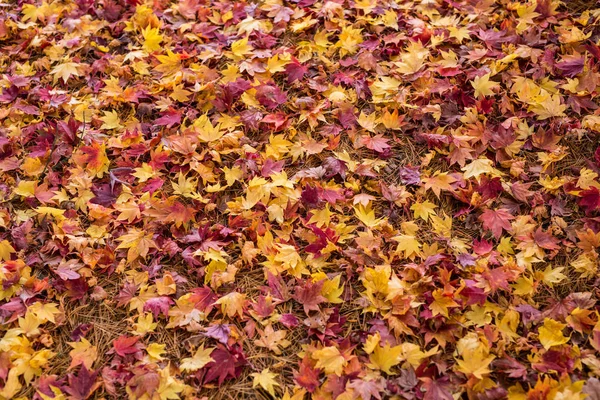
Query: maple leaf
{"type": "Point", "coordinates": [93, 158]}
{"type": "Point", "coordinates": [232, 304]}
{"type": "Point", "coordinates": [309, 295]}
{"type": "Point", "coordinates": [266, 380]}
{"type": "Point", "coordinates": [45, 311]}
{"type": "Point", "coordinates": [137, 242]}
{"type": "Point", "coordinates": [545, 240]}
{"type": "Point", "coordinates": [199, 360]}
{"type": "Point", "coordinates": [438, 182]}
{"type": "Point", "coordinates": [226, 364]}
{"type": "Point", "coordinates": [386, 357]}
{"type": "Point", "coordinates": [169, 64]}
{"type": "Point", "coordinates": [307, 376]}
{"type": "Point", "coordinates": [125, 345]}
{"type": "Point", "coordinates": [240, 48]}
{"type": "Point", "coordinates": [366, 215]}
{"type": "Point", "coordinates": [483, 86]}
{"type": "Point", "coordinates": [330, 360]}
{"type": "Point", "coordinates": [83, 353]}
{"type": "Point", "coordinates": [376, 143]}
{"type": "Point", "coordinates": [152, 39]}
{"type": "Point", "coordinates": [82, 385]}
{"type": "Point", "coordinates": [273, 340]}
{"type": "Point", "coordinates": [423, 210]}
{"type": "Point", "coordinates": [295, 71]}
{"type": "Point", "coordinates": [441, 304]}
{"type": "Point", "coordinates": [169, 118]}
{"type": "Point", "coordinates": [438, 389]}
{"type": "Point", "coordinates": [219, 332]}
{"type": "Point", "coordinates": [549, 106]}
{"type": "Point", "coordinates": [479, 167]}
{"type": "Point", "coordinates": [65, 71]}
{"type": "Point", "coordinates": [110, 120]}
{"type": "Point", "coordinates": [550, 334]}
{"type": "Point", "coordinates": [496, 220]}
{"type": "Point", "coordinates": [6, 250]}
{"type": "Point", "coordinates": [270, 96]}
{"type": "Point", "coordinates": [475, 357]}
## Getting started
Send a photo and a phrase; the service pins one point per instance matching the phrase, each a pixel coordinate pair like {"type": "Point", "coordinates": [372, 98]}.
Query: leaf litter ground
{"type": "Point", "coordinates": [299, 199]}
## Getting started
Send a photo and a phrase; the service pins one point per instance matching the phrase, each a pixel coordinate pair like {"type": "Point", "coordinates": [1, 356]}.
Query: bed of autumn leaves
{"type": "Point", "coordinates": [299, 199]}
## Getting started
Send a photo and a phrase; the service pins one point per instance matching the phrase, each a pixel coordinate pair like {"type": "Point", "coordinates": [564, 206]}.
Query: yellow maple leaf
{"type": "Point", "coordinates": [34, 13]}
{"type": "Point", "coordinates": [266, 380]}
{"type": "Point", "coordinates": [137, 242]}
{"type": "Point", "coordinates": [6, 250]}
{"type": "Point", "coordinates": [29, 324]}
{"type": "Point", "coordinates": [524, 286]}
{"type": "Point", "coordinates": [26, 188]}
{"type": "Point", "coordinates": [366, 215]}
{"type": "Point", "coordinates": [550, 334]}
{"type": "Point", "coordinates": [483, 86]}
{"type": "Point", "coordinates": [508, 324]}
{"type": "Point", "coordinates": [475, 356]}
{"type": "Point", "coordinates": [11, 385]}
{"type": "Point", "coordinates": [144, 172]}
{"type": "Point", "coordinates": [207, 132]}
{"type": "Point", "coordinates": [408, 244]}
{"type": "Point", "coordinates": [129, 211]}
{"type": "Point", "coordinates": [45, 311]}
{"type": "Point", "coordinates": [413, 355]}
{"type": "Point", "coordinates": [591, 122]}
{"type": "Point", "coordinates": [232, 304]}
{"type": "Point", "coordinates": [83, 353]}
{"type": "Point", "coordinates": [348, 40]}
{"type": "Point", "coordinates": [169, 64]}
{"type": "Point", "coordinates": [155, 351]}
{"type": "Point", "coordinates": [57, 213]}
{"type": "Point", "coordinates": [32, 166]}
{"type": "Point", "coordinates": [423, 210]}
{"type": "Point", "coordinates": [110, 120]}
{"type": "Point", "coordinates": [550, 275]}
{"type": "Point", "coordinates": [331, 289]}
{"type": "Point", "coordinates": [548, 106]}
{"type": "Point", "coordinates": [240, 48]}
{"type": "Point", "coordinates": [168, 387]}
{"type": "Point", "coordinates": [441, 303]}
{"type": "Point", "coordinates": [145, 324]}
{"type": "Point", "coordinates": [386, 357]}
{"type": "Point", "coordinates": [413, 59]}
{"type": "Point", "coordinates": [152, 39]}
{"type": "Point", "coordinates": [330, 360]}
{"type": "Point", "coordinates": [438, 182]}
{"type": "Point", "coordinates": [180, 93]}
{"type": "Point", "coordinates": [200, 358]}
{"type": "Point", "coordinates": [278, 62]}
{"type": "Point", "coordinates": [479, 167]}
{"type": "Point", "coordinates": [459, 33]}
{"type": "Point", "coordinates": [65, 71]}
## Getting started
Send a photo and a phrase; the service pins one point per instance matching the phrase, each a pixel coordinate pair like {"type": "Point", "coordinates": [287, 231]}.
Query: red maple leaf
{"type": "Point", "coordinates": [309, 295]}
{"type": "Point", "coordinates": [438, 389]}
{"type": "Point", "coordinates": [295, 71]}
{"type": "Point", "coordinates": [376, 143]}
{"type": "Point", "coordinates": [307, 376]}
{"type": "Point", "coordinates": [496, 220]}
{"type": "Point", "coordinates": [545, 240]}
{"type": "Point", "coordinates": [125, 345]}
{"type": "Point", "coordinates": [270, 96]}
{"type": "Point", "coordinates": [82, 385]}
{"type": "Point", "coordinates": [169, 118]}
{"type": "Point", "coordinates": [590, 200]}
{"type": "Point", "coordinates": [227, 364]}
